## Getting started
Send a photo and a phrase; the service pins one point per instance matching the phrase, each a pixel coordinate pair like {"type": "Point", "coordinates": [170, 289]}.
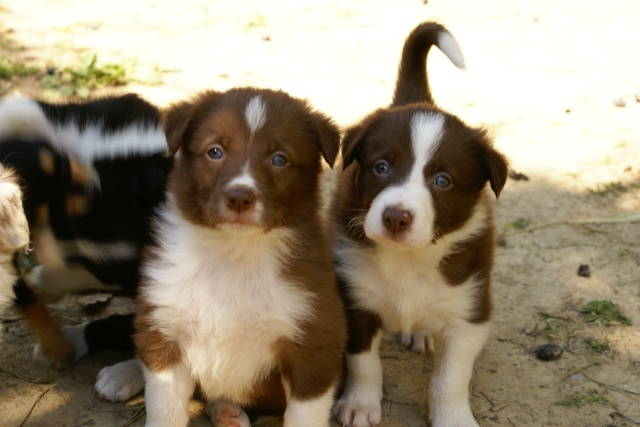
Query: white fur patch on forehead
{"type": "Point", "coordinates": [255, 113]}
{"type": "Point", "coordinates": [426, 133]}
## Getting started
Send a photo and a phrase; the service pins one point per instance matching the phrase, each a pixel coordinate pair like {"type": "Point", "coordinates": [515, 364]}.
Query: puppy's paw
{"type": "Point", "coordinates": [121, 381]}
{"type": "Point", "coordinates": [418, 341]}
{"type": "Point", "coordinates": [350, 412]}
{"type": "Point", "coordinates": [75, 336]}
{"type": "Point", "coordinates": [452, 417]}
{"type": "Point", "coordinates": [225, 414]}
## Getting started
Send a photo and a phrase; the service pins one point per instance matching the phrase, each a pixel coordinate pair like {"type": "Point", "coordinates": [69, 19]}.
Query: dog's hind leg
{"type": "Point", "coordinates": [53, 342]}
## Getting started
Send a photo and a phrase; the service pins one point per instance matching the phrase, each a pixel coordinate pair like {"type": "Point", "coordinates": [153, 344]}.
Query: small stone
{"type": "Point", "coordinates": [577, 377]}
{"type": "Point", "coordinates": [619, 102]}
{"type": "Point", "coordinates": [549, 352]}
{"type": "Point", "coordinates": [584, 271]}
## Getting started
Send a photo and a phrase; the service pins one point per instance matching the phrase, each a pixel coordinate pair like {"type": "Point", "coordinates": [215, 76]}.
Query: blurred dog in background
{"type": "Point", "coordinates": [93, 174]}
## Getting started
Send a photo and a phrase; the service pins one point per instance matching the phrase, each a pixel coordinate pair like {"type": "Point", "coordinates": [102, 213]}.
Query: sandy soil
{"type": "Point", "coordinates": [542, 76]}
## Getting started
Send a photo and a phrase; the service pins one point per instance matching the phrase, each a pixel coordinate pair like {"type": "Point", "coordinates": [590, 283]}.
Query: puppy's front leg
{"type": "Point", "coordinates": [359, 405]}
{"type": "Point", "coordinates": [310, 412]}
{"type": "Point", "coordinates": [167, 394]}
{"type": "Point", "coordinates": [456, 349]}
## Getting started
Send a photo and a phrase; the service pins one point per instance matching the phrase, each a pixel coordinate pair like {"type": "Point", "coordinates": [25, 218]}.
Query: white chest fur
{"type": "Point", "coordinates": [223, 298]}
{"type": "Point", "coordinates": [403, 284]}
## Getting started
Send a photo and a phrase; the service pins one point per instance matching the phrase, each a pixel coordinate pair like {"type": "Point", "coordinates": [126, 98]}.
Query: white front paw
{"type": "Point", "coordinates": [452, 417]}
{"type": "Point", "coordinates": [354, 412]}
{"type": "Point", "coordinates": [121, 381]}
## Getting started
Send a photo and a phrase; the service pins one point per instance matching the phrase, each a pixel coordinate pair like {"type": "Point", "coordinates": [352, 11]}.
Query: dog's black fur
{"type": "Point", "coordinates": [103, 200]}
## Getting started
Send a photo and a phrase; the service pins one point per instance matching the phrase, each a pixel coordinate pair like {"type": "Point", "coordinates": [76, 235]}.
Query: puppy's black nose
{"type": "Point", "coordinates": [396, 220]}
{"type": "Point", "coordinates": [240, 199]}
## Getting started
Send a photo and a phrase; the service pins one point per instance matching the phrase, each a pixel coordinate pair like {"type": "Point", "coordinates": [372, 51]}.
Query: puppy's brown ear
{"type": "Point", "coordinates": [496, 165]}
{"type": "Point", "coordinates": [176, 120]}
{"type": "Point", "coordinates": [351, 143]}
{"type": "Point", "coordinates": [328, 137]}
{"type": "Point", "coordinates": [355, 137]}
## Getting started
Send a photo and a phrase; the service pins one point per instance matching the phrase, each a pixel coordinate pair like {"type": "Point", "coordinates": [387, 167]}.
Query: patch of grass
{"type": "Point", "coordinates": [257, 21]}
{"type": "Point", "coordinates": [9, 70]}
{"type": "Point", "coordinates": [519, 224]}
{"type": "Point", "coordinates": [551, 325]}
{"type": "Point", "coordinates": [551, 329]}
{"type": "Point", "coordinates": [597, 346]}
{"type": "Point", "coordinates": [605, 313]}
{"type": "Point", "coordinates": [609, 188]}
{"type": "Point", "coordinates": [82, 81]}
{"type": "Point", "coordinates": [579, 400]}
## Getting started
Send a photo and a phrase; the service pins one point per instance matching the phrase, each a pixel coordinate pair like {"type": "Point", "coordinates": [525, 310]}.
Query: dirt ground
{"type": "Point", "coordinates": [544, 77]}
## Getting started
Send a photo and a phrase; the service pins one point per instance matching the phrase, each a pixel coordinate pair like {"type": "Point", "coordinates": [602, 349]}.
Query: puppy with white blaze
{"type": "Point", "coordinates": [238, 294]}
{"type": "Point", "coordinates": [413, 223]}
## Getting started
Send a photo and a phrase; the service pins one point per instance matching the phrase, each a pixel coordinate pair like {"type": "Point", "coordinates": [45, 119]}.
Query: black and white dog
{"type": "Point", "coordinates": [93, 174]}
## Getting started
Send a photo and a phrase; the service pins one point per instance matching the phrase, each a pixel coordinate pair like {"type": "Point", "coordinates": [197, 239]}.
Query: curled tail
{"type": "Point", "coordinates": [413, 84]}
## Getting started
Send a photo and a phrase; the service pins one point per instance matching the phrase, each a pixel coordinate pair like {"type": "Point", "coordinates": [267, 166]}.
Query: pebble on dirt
{"type": "Point", "coordinates": [549, 352]}
{"type": "Point", "coordinates": [584, 271]}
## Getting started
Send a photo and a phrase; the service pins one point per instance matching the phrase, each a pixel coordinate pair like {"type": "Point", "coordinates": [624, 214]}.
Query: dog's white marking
{"type": "Point", "coordinates": [51, 282]}
{"type": "Point", "coordinates": [404, 284]}
{"type": "Point", "coordinates": [456, 349]}
{"type": "Point", "coordinates": [121, 381]}
{"type": "Point", "coordinates": [202, 284]}
{"type": "Point", "coordinates": [359, 404]}
{"type": "Point", "coordinates": [449, 46]}
{"type": "Point", "coordinates": [426, 133]}
{"type": "Point", "coordinates": [243, 180]}
{"type": "Point", "coordinates": [411, 195]}
{"type": "Point", "coordinates": [98, 252]}
{"type": "Point", "coordinates": [311, 412]}
{"type": "Point", "coordinates": [167, 395]}
{"type": "Point", "coordinates": [255, 114]}
{"type": "Point", "coordinates": [92, 144]}
{"type": "Point", "coordinates": [23, 118]}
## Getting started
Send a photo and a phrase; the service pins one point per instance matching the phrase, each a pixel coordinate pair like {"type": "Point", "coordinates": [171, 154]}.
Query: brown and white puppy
{"type": "Point", "coordinates": [414, 248]}
{"type": "Point", "coordinates": [14, 234]}
{"type": "Point", "coordinates": [238, 295]}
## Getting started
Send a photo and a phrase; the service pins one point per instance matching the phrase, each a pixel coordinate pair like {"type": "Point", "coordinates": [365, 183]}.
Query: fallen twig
{"type": "Point", "coordinates": [27, 378]}
{"type": "Point", "coordinates": [34, 405]}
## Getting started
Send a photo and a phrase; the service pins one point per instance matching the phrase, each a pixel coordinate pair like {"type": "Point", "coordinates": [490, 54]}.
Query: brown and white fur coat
{"type": "Point", "coordinates": [413, 219]}
{"type": "Point", "coordinates": [238, 293]}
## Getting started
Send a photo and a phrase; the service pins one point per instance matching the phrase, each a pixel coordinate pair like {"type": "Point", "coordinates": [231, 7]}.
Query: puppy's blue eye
{"type": "Point", "coordinates": [381, 168]}
{"type": "Point", "coordinates": [215, 153]}
{"type": "Point", "coordinates": [442, 181]}
{"type": "Point", "coordinates": [279, 160]}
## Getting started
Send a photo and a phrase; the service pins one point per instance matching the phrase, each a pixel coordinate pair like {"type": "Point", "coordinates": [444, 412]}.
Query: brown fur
{"type": "Point", "coordinates": [312, 362]}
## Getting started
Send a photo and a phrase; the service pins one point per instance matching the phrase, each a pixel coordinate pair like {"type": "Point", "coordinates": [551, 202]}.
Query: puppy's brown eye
{"type": "Point", "coordinates": [279, 160]}
{"type": "Point", "coordinates": [215, 153]}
